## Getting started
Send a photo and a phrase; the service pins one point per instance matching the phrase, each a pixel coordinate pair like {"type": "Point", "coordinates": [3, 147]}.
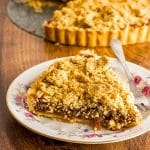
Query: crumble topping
{"type": "Point", "coordinates": [101, 15]}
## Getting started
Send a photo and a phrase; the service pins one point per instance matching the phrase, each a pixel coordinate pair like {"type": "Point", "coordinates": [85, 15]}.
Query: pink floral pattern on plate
{"type": "Point", "coordinates": [142, 84]}
{"type": "Point", "coordinates": [21, 100]}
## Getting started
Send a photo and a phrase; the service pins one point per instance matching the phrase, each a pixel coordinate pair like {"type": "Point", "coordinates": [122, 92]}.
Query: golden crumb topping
{"type": "Point", "coordinates": [102, 15]}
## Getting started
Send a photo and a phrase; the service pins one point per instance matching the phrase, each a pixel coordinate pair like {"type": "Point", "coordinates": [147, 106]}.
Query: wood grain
{"type": "Point", "coordinates": [20, 50]}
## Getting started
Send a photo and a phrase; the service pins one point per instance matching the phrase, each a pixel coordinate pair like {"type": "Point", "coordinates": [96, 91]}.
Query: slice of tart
{"type": "Point", "coordinates": [83, 89]}
{"type": "Point", "coordinates": [94, 22]}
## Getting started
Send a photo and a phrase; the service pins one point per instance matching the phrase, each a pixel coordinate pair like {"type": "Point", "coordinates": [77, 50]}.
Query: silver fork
{"type": "Point", "coordinates": [143, 105]}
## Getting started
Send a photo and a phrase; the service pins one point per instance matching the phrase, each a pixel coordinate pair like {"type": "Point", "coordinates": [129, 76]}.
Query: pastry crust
{"type": "Point", "coordinates": [89, 38]}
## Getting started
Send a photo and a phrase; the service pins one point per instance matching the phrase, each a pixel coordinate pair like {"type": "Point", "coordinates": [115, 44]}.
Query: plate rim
{"type": "Point", "coordinates": [58, 137]}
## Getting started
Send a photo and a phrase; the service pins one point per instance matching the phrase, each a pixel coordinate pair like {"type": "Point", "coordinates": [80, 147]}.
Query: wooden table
{"type": "Point", "coordinates": [20, 50]}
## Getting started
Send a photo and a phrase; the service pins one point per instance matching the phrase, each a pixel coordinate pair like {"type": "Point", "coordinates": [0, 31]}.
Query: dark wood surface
{"type": "Point", "coordinates": [19, 51]}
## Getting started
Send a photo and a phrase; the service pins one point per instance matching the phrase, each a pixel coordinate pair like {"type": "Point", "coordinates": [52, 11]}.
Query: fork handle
{"type": "Point", "coordinates": [118, 50]}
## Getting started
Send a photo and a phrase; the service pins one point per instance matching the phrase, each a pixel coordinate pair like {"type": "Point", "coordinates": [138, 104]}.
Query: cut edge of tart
{"type": "Point", "coordinates": [91, 25]}
{"type": "Point", "coordinates": [85, 90]}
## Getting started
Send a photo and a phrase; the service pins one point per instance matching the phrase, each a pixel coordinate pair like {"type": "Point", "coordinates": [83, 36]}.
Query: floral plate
{"type": "Point", "coordinates": [77, 133]}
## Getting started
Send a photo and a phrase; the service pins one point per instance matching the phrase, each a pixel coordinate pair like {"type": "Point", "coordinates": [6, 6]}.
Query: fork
{"type": "Point", "coordinates": [117, 48]}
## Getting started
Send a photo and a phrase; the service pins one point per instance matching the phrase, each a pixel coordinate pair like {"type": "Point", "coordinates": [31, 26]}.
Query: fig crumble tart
{"type": "Point", "coordinates": [83, 89]}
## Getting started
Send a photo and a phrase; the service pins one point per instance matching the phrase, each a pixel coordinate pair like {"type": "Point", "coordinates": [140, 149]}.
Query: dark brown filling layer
{"type": "Point", "coordinates": [83, 111]}
{"type": "Point", "coordinates": [96, 113]}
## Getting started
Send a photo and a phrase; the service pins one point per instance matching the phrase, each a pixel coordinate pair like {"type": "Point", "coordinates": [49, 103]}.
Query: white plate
{"type": "Point", "coordinates": [76, 133]}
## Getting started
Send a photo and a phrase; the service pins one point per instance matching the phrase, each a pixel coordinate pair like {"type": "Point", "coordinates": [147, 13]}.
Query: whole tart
{"type": "Point", "coordinates": [95, 22]}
